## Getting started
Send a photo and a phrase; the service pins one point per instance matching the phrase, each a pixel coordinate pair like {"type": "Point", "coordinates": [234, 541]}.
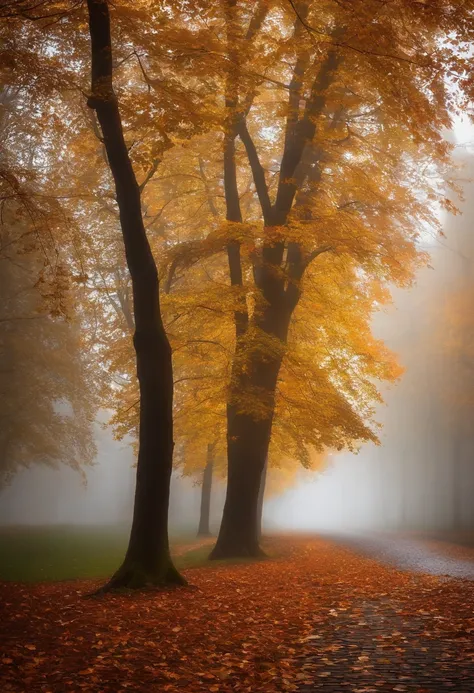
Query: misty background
{"type": "Point", "coordinates": [420, 477]}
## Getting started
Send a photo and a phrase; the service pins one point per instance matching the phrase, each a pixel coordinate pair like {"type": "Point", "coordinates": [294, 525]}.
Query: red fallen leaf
{"type": "Point", "coordinates": [29, 647]}
{"type": "Point", "coordinates": [273, 635]}
{"type": "Point", "coordinates": [224, 674]}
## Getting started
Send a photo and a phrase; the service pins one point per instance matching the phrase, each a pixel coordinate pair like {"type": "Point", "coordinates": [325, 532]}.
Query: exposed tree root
{"type": "Point", "coordinates": [132, 576]}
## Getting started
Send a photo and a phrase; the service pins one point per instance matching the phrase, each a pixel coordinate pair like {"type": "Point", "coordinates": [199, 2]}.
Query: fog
{"type": "Point", "coordinates": [422, 474]}
{"type": "Point", "coordinates": [44, 495]}
{"type": "Point", "coordinates": [420, 477]}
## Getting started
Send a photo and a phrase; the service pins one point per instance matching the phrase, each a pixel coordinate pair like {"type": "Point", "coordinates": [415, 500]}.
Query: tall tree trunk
{"type": "Point", "coordinates": [147, 560]}
{"type": "Point", "coordinates": [247, 445]}
{"type": "Point", "coordinates": [206, 488]}
{"type": "Point", "coordinates": [261, 496]}
{"type": "Point", "coordinates": [248, 440]}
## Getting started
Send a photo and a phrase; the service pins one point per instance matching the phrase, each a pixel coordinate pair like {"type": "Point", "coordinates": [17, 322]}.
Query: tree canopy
{"type": "Point", "coordinates": [286, 158]}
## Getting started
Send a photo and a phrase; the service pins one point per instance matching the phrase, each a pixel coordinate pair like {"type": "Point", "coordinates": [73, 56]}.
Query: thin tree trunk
{"type": "Point", "coordinates": [147, 560]}
{"type": "Point", "coordinates": [206, 488]}
{"type": "Point", "coordinates": [457, 483]}
{"type": "Point", "coordinates": [261, 496]}
{"type": "Point", "coordinates": [404, 507]}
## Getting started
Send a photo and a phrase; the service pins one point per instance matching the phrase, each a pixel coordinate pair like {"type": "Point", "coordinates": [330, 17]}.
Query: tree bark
{"type": "Point", "coordinates": [248, 440]}
{"type": "Point", "coordinates": [238, 534]}
{"type": "Point", "coordinates": [147, 561]}
{"type": "Point", "coordinates": [206, 488]}
{"type": "Point", "coordinates": [261, 496]}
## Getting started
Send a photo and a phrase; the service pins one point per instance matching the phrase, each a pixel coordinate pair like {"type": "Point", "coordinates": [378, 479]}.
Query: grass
{"type": "Point", "coordinates": [51, 553]}
{"type": "Point", "coordinates": [36, 554]}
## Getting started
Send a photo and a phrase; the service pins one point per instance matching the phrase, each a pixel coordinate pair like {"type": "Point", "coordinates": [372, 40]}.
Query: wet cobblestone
{"type": "Point", "coordinates": [383, 652]}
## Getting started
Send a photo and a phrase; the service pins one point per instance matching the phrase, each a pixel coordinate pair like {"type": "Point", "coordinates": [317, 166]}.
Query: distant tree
{"type": "Point", "coordinates": [450, 339]}
{"type": "Point", "coordinates": [206, 488]}
{"type": "Point", "coordinates": [47, 404]}
{"type": "Point", "coordinates": [47, 397]}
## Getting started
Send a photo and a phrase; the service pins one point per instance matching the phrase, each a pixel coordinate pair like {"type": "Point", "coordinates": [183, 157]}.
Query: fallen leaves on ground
{"type": "Point", "coordinates": [268, 626]}
{"type": "Point", "coordinates": [459, 545]}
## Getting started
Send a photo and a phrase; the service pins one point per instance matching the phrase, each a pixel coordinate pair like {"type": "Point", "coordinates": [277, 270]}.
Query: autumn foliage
{"type": "Point", "coordinates": [279, 165]}
{"type": "Point", "coordinates": [203, 204]}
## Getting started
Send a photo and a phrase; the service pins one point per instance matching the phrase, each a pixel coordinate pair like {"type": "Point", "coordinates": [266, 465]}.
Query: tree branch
{"type": "Point", "coordinates": [297, 268]}
{"type": "Point", "coordinates": [257, 172]}
{"type": "Point", "coordinates": [256, 21]}
{"type": "Point", "coordinates": [318, 251]}
{"type": "Point", "coordinates": [171, 273]}
{"type": "Point", "coordinates": [150, 174]}
{"type": "Point", "coordinates": [311, 30]}
{"type": "Point", "coordinates": [302, 133]}
{"type": "Point", "coordinates": [210, 200]}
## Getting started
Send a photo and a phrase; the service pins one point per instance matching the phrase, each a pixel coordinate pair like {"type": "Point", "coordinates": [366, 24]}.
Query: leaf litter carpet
{"type": "Point", "coordinates": [318, 618]}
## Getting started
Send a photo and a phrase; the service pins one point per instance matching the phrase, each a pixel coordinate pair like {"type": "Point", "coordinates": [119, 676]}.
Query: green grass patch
{"type": "Point", "coordinates": [32, 554]}
{"type": "Point", "coordinates": [36, 554]}
{"type": "Point", "coordinates": [47, 554]}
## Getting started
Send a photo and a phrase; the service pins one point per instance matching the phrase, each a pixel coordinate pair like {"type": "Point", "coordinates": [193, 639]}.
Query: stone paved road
{"type": "Point", "coordinates": [407, 554]}
{"type": "Point", "coordinates": [384, 654]}
{"type": "Point", "coordinates": [383, 644]}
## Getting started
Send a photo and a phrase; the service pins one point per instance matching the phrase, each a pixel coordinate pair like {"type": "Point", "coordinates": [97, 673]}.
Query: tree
{"type": "Point", "coordinates": [204, 528]}
{"type": "Point", "coordinates": [147, 560]}
{"type": "Point", "coordinates": [47, 401]}
{"type": "Point", "coordinates": [317, 406]}
{"type": "Point", "coordinates": [311, 414]}
{"type": "Point", "coordinates": [339, 114]}
{"type": "Point", "coordinates": [304, 202]}
{"type": "Point", "coordinates": [47, 406]}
